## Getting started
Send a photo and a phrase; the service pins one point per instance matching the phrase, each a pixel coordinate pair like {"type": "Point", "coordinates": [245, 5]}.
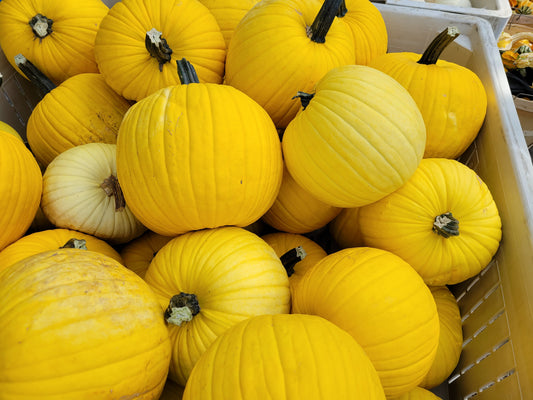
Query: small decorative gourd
{"type": "Point", "coordinates": [290, 357]}
{"type": "Point", "coordinates": [139, 253]}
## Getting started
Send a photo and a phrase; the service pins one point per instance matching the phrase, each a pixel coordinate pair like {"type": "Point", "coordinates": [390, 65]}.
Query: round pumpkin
{"type": "Point", "coordinates": [288, 357]}
{"type": "Point", "coordinates": [9, 129]}
{"type": "Point", "coordinates": [345, 228]}
{"type": "Point", "coordinates": [139, 42]}
{"type": "Point", "coordinates": [419, 393]}
{"type": "Point", "coordinates": [139, 253]}
{"type": "Point", "coordinates": [81, 192]}
{"type": "Point", "coordinates": [443, 222]}
{"type": "Point", "coordinates": [57, 36]}
{"type": "Point", "coordinates": [383, 303]}
{"type": "Point", "coordinates": [39, 242]}
{"type": "Point", "coordinates": [295, 210]}
{"type": "Point", "coordinates": [209, 280]}
{"type": "Point", "coordinates": [20, 188]}
{"type": "Point", "coordinates": [451, 97]}
{"type": "Point", "coordinates": [359, 137]}
{"type": "Point", "coordinates": [281, 47]}
{"type": "Point", "coordinates": [207, 156]}
{"type": "Point", "coordinates": [80, 325]}
{"type": "Point", "coordinates": [450, 338]}
{"type": "Point", "coordinates": [83, 109]}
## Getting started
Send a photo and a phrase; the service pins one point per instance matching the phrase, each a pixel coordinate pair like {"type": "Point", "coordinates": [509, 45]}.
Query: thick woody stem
{"type": "Point", "coordinates": [319, 28]}
{"type": "Point", "coordinates": [437, 46]}
{"type": "Point", "coordinates": [157, 47]}
{"type": "Point", "coordinates": [291, 258]}
{"type": "Point", "coordinates": [446, 225]}
{"type": "Point", "coordinates": [111, 187]}
{"type": "Point", "coordinates": [181, 308]}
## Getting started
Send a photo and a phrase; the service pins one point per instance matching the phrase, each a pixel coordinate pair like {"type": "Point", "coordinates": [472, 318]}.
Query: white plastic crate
{"type": "Point", "coordinates": [496, 12]}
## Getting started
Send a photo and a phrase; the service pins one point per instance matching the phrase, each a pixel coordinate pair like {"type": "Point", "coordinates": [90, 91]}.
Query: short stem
{"type": "Point", "coordinates": [186, 72]}
{"type": "Point", "coordinates": [291, 258]}
{"type": "Point", "coordinates": [342, 10]}
{"type": "Point", "coordinates": [446, 225]}
{"type": "Point", "coordinates": [182, 308]}
{"type": "Point", "coordinates": [305, 98]}
{"type": "Point", "coordinates": [40, 80]}
{"type": "Point", "coordinates": [437, 46]}
{"type": "Point", "coordinates": [75, 244]}
{"type": "Point", "coordinates": [319, 28]}
{"type": "Point", "coordinates": [41, 26]}
{"type": "Point", "coordinates": [157, 47]}
{"type": "Point", "coordinates": [112, 188]}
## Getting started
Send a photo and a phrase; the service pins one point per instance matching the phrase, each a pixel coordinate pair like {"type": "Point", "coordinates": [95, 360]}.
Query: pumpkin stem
{"type": "Point", "coordinates": [112, 188]}
{"type": "Point", "coordinates": [182, 308]}
{"type": "Point", "coordinates": [34, 74]}
{"type": "Point", "coordinates": [186, 72]}
{"type": "Point", "coordinates": [41, 26]}
{"type": "Point", "coordinates": [319, 28]}
{"type": "Point", "coordinates": [291, 258]}
{"type": "Point", "coordinates": [342, 10]}
{"type": "Point", "coordinates": [437, 46]}
{"type": "Point", "coordinates": [75, 244]}
{"type": "Point", "coordinates": [1, 79]}
{"type": "Point", "coordinates": [305, 98]}
{"type": "Point", "coordinates": [157, 47]}
{"type": "Point", "coordinates": [446, 225]}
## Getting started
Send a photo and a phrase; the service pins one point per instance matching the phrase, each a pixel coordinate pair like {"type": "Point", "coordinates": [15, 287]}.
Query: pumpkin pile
{"type": "Point", "coordinates": [247, 199]}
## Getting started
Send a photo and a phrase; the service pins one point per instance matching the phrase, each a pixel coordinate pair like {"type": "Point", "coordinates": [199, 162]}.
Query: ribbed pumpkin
{"type": "Point", "coordinates": [296, 210]}
{"type": "Point", "coordinates": [81, 192]}
{"type": "Point", "coordinates": [79, 325]}
{"type": "Point", "coordinates": [53, 239]}
{"type": "Point", "coordinates": [289, 357]}
{"type": "Point", "coordinates": [383, 303]}
{"type": "Point", "coordinates": [206, 156]}
{"type": "Point", "coordinates": [359, 137]}
{"type": "Point", "coordinates": [451, 97]}
{"type": "Point", "coordinates": [55, 35]}
{"type": "Point", "coordinates": [83, 109]}
{"type": "Point", "coordinates": [209, 280]}
{"type": "Point", "coordinates": [345, 228]}
{"type": "Point", "coordinates": [20, 188]}
{"type": "Point", "coordinates": [450, 338]}
{"type": "Point", "coordinates": [139, 253]}
{"type": "Point", "coordinates": [419, 393]}
{"type": "Point", "coordinates": [139, 42]}
{"type": "Point", "coordinates": [283, 242]}
{"type": "Point", "coordinates": [443, 222]}
{"type": "Point", "coordinates": [281, 47]}
{"type": "Point", "coordinates": [9, 129]}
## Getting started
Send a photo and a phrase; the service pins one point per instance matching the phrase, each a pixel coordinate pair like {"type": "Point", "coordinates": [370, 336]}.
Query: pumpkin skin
{"type": "Point", "coordinates": [419, 393]}
{"type": "Point", "coordinates": [232, 273]}
{"type": "Point", "coordinates": [405, 222]}
{"type": "Point", "coordinates": [9, 129]}
{"type": "Point", "coordinates": [81, 326]}
{"type": "Point", "coordinates": [68, 50]}
{"type": "Point", "coordinates": [139, 253]}
{"type": "Point", "coordinates": [450, 338]}
{"type": "Point", "coordinates": [83, 109]}
{"type": "Point", "coordinates": [345, 229]}
{"type": "Point", "coordinates": [20, 188]}
{"type": "Point", "coordinates": [383, 303]}
{"type": "Point", "coordinates": [254, 356]}
{"type": "Point", "coordinates": [81, 192]}
{"type": "Point", "coordinates": [187, 26]}
{"type": "Point", "coordinates": [359, 139]}
{"type": "Point", "coordinates": [451, 98]}
{"type": "Point", "coordinates": [213, 159]}
{"type": "Point", "coordinates": [51, 239]}
{"type": "Point", "coordinates": [295, 210]}
{"type": "Point", "coordinates": [271, 57]}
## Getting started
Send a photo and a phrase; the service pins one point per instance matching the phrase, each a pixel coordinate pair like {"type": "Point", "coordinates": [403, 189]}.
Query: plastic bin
{"type": "Point", "coordinates": [497, 12]}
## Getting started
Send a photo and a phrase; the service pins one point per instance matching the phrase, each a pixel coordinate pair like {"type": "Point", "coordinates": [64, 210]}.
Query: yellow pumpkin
{"type": "Point", "coordinates": [451, 98]}
{"type": "Point", "coordinates": [79, 325]}
{"type": "Point", "coordinates": [289, 357]}
{"type": "Point", "coordinates": [443, 222]}
{"type": "Point", "coordinates": [207, 156]}
{"type": "Point", "coordinates": [57, 36]}
{"type": "Point", "coordinates": [83, 109]}
{"type": "Point", "coordinates": [139, 253]}
{"type": "Point", "coordinates": [81, 192]}
{"type": "Point", "coordinates": [295, 210]}
{"type": "Point", "coordinates": [345, 229]}
{"type": "Point", "coordinates": [384, 304]}
{"type": "Point", "coordinates": [139, 42]}
{"type": "Point", "coordinates": [419, 393]}
{"type": "Point", "coordinates": [39, 242]}
{"type": "Point", "coordinates": [20, 188]}
{"type": "Point", "coordinates": [209, 280]}
{"type": "Point", "coordinates": [281, 47]}
{"type": "Point", "coordinates": [9, 129]}
{"type": "Point", "coordinates": [359, 137]}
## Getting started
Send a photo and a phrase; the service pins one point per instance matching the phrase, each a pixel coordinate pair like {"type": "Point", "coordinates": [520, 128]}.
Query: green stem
{"type": "Point", "coordinates": [40, 80]}
{"type": "Point", "coordinates": [157, 47]}
{"type": "Point", "coordinates": [41, 26]}
{"type": "Point", "coordinates": [446, 225]}
{"type": "Point", "coordinates": [182, 308]}
{"type": "Point", "coordinates": [186, 72]}
{"type": "Point", "coordinates": [437, 46]}
{"type": "Point", "coordinates": [319, 28]}
{"type": "Point", "coordinates": [305, 98]}
{"type": "Point", "coordinates": [111, 187]}
{"type": "Point", "coordinates": [75, 244]}
{"type": "Point", "coordinates": [291, 258]}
